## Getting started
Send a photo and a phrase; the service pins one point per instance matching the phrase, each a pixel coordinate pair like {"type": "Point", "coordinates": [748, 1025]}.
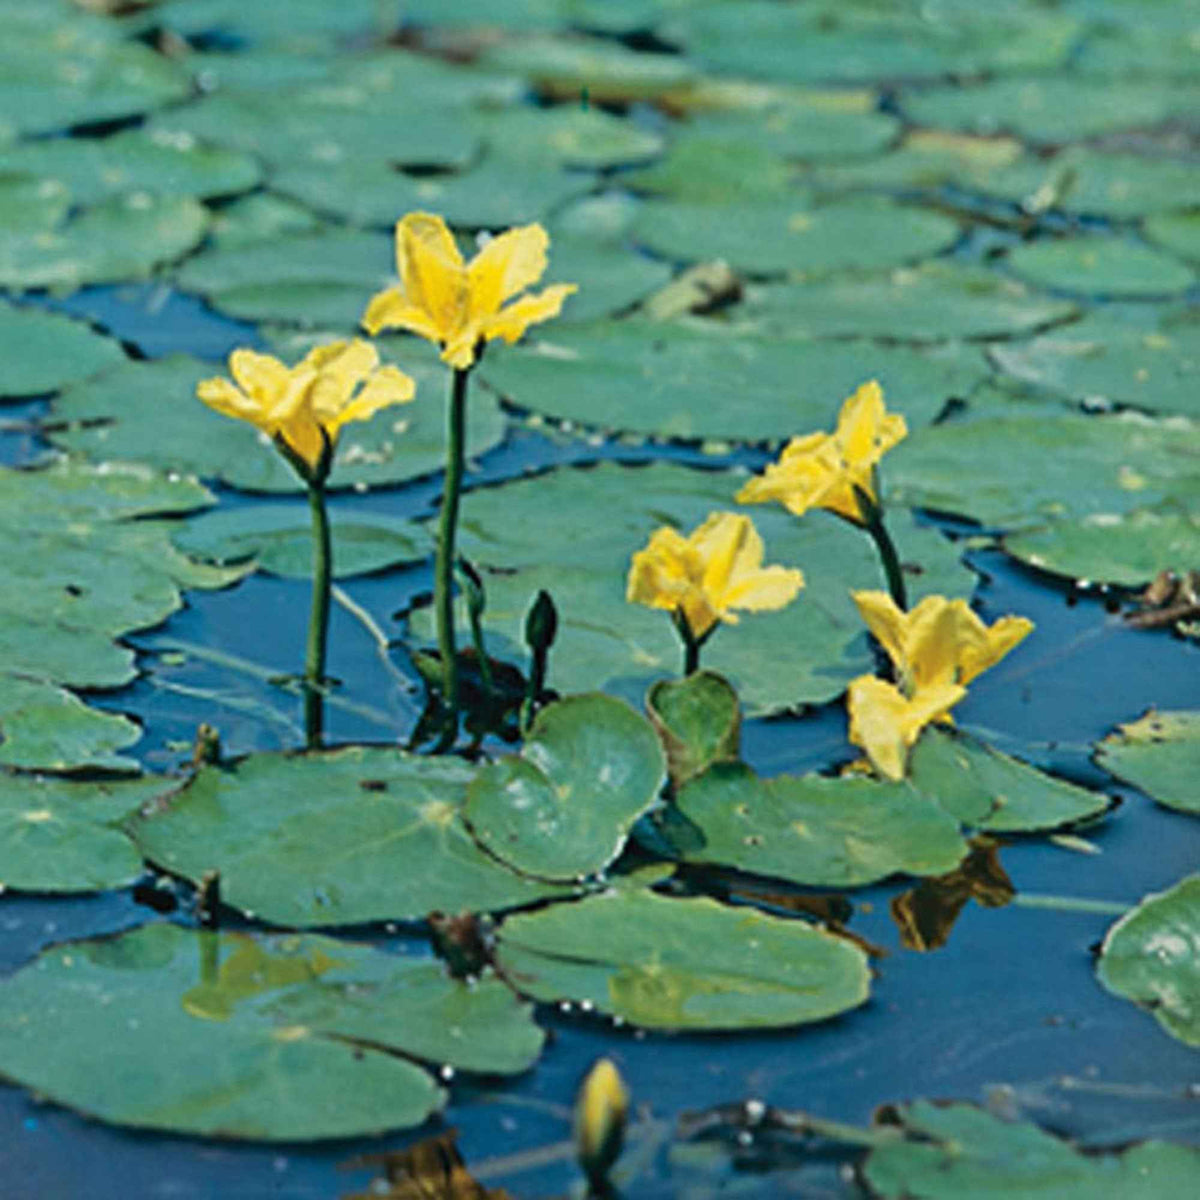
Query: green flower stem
{"type": "Point", "coordinates": [691, 643]}
{"type": "Point", "coordinates": [443, 578]}
{"type": "Point", "coordinates": [872, 515]}
{"type": "Point", "coordinates": [318, 621]}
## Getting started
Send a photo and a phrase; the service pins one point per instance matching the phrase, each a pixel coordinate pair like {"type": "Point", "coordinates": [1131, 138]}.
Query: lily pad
{"type": "Point", "coordinates": [932, 302]}
{"type": "Point", "coordinates": [95, 169]}
{"type": "Point", "coordinates": [333, 839]}
{"type": "Point", "coordinates": [42, 351]}
{"type": "Point", "coordinates": [1177, 232]}
{"type": "Point", "coordinates": [683, 964]}
{"type": "Point", "coordinates": [1052, 108]}
{"type": "Point", "coordinates": [274, 1038]}
{"type": "Point", "coordinates": [775, 235]}
{"type": "Point", "coordinates": [815, 831]}
{"type": "Point", "coordinates": [1150, 957]}
{"type": "Point", "coordinates": [1126, 549]}
{"type": "Point", "coordinates": [117, 240]}
{"type": "Point", "coordinates": [994, 470]}
{"type": "Point", "coordinates": [48, 729]}
{"type": "Point", "coordinates": [700, 380]}
{"type": "Point", "coordinates": [611, 278]}
{"type": "Point", "coordinates": [148, 412]}
{"type": "Point", "coordinates": [544, 533]}
{"type": "Point", "coordinates": [278, 539]}
{"type": "Point", "coordinates": [987, 790]}
{"type": "Point", "coordinates": [62, 837]}
{"type": "Point", "coordinates": [698, 720]}
{"type": "Point", "coordinates": [260, 217]}
{"type": "Point", "coordinates": [29, 205]}
{"type": "Point", "coordinates": [567, 135]}
{"type": "Point", "coordinates": [955, 1150]}
{"type": "Point", "coordinates": [1160, 755]}
{"type": "Point", "coordinates": [1096, 266]}
{"type": "Point", "coordinates": [562, 810]}
{"type": "Point", "coordinates": [1113, 359]}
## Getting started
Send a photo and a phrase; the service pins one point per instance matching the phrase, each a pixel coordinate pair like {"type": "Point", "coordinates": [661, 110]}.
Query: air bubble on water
{"type": "Point", "coordinates": [447, 1073]}
{"type": "Point", "coordinates": [565, 1006]}
{"type": "Point", "coordinates": [755, 1111]}
{"type": "Point", "coordinates": [745, 1138]}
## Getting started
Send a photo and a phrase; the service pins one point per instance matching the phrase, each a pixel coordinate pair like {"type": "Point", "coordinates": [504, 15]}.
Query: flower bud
{"type": "Point", "coordinates": [601, 1109]}
{"type": "Point", "coordinates": [541, 623]}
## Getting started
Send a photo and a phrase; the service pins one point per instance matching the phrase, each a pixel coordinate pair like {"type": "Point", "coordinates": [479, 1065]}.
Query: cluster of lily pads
{"type": "Point", "coordinates": [258, 180]}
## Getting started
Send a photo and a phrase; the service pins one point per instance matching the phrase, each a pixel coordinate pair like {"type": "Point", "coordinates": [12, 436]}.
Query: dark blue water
{"type": "Point", "coordinates": [1008, 1012]}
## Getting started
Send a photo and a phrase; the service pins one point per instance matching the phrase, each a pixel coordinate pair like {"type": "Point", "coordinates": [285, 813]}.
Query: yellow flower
{"type": "Point", "coordinates": [822, 470]}
{"type": "Point", "coordinates": [303, 408]}
{"type": "Point", "coordinates": [601, 1110]}
{"type": "Point", "coordinates": [937, 648]}
{"type": "Point", "coordinates": [705, 575]}
{"type": "Point", "coordinates": [939, 641]}
{"type": "Point", "coordinates": [886, 723]}
{"type": "Point", "coordinates": [457, 304]}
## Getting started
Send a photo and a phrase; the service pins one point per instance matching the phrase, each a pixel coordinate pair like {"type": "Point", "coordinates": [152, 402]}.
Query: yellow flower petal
{"type": "Point", "coordinates": [391, 309]}
{"type": "Point", "coordinates": [258, 375]}
{"type": "Point", "coordinates": [1006, 633]}
{"type": "Point", "coordinates": [507, 265]}
{"type": "Point", "coordinates": [432, 273]}
{"type": "Point", "coordinates": [886, 723]}
{"type": "Point", "coordinates": [386, 387]}
{"type": "Point", "coordinates": [226, 399]}
{"type": "Point", "coordinates": [511, 322]}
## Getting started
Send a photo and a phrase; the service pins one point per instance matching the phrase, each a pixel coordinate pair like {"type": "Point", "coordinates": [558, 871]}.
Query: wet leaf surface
{"type": "Point", "coordinates": [698, 720]}
{"type": "Point", "coordinates": [1160, 754]}
{"type": "Point", "coordinates": [43, 351]}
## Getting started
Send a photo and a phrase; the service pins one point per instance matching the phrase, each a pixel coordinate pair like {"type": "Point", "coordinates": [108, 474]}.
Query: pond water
{"type": "Point", "coordinates": [1008, 1013]}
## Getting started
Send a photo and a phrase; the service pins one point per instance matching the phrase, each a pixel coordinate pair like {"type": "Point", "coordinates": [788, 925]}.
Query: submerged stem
{"type": "Point", "coordinates": [318, 621]}
{"type": "Point", "coordinates": [443, 579]}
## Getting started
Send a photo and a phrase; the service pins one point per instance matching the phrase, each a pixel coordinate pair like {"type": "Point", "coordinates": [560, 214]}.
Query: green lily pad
{"type": "Point", "coordinates": [715, 168]}
{"type": "Point", "coordinates": [1149, 956]}
{"type": "Point", "coordinates": [698, 720]}
{"type": "Point", "coordinates": [1113, 359]}
{"type": "Point", "coordinates": [777, 235]}
{"type": "Point", "coordinates": [955, 1150]}
{"type": "Point", "coordinates": [987, 790]}
{"type": "Point", "coordinates": [1052, 108]}
{"type": "Point", "coordinates": [496, 193]}
{"type": "Point", "coordinates": [42, 351]}
{"type": "Point", "coordinates": [935, 301]}
{"type": "Point", "coordinates": [333, 839]}
{"type": "Point", "coordinates": [682, 964]}
{"type": "Point", "coordinates": [74, 73]}
{"type": "Point", "coordinates": [1103, 183]}
{"type": "Point", "coordinates": [1097, 266]}
{"type": "Point", "coordinates": [260, 217]}
{"type": "Point", "coordinates": [29, 205]}
{"type": "Point", "coordinates": [1160, 755]}
{"type": "Point", "coordinates": [48, 729]}
{"type": "Point", "coordinates": [1126, 549]}
{"type": "Point", "coordinates": [280, 1038]}
{"type": "Point", "coordinates": [700, 380]}
{"type": "Point", "coordinates": [546, 533]}
{"type": "Point", "coordinates": [1177, 232]}
{"type": "Point", "coordinates": [148, 412]}
{"type": "Point", "coordinates": [611, 278]}
{"type": "Point", "coordinates": [817, 832]}
{"type": "Point", "coordinates": [96, 169]}
{"type": "Point", "coordinates": [567, 135]}
{"type": "Point", "coordinates": [278, 538]}
{"type": "Point", "coordinates": [300, 24]}
{"type": "Point", "coordinates": [62, 837]}
{"type": "Point", "coordinates": [119, 239]}
{"type": "Point", "coordinates": [562, 810]}
{"type": "Point", "coordinates": [993, 470]}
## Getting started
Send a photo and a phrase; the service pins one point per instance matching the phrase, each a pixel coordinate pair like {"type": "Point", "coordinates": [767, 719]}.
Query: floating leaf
{"type": "Point", "coordinates": [119, 239]}
{"type": "Point", "coordinates": [1150, 957]}
{"type": "Point", "coordinates": [93, 169]}
{"type": "Point", "coordinates": [1095, 266]}
{"type": "Point", "coordinates": [274, 1038]}
{"type": "Point", "coordinates": [544, 533]}
{"type": "Point", "coordinates": [1113, 358]}
{"type": "Point", "coordinates": [987, 790]}
{"type": "Point", "coordinates": [955, 1150]}
{"type": "Point", "coordinates": [688, 381]}
{"type": "Point", "coordinates": [1160, 755]}
{"type": "Point", "coordinates": [778, 235]}
{"type": "Point", "coordinates": [1126, 549]}
{"type": "Point", "coordinates": [682, 964]}
{"type": "Point", "coordinates": [569, 136]}
{"type": "Point", "coordinates": [48, 729]}
{"type": "Point", "coordinates": [61, 837]}
{"type": "Point", "coordinates": [815, 831]}
{"type": "Point", "coordinates": [42, 351]}
{"type": "Point", "coordinates": [261, 217]}
{"type": "Point", "coordinates": [996, 470]}
{"type": "Point", "coordinates": [1177, 232]}
{"type": "Point", "coordinates": [611, 277]}
{"type": "Point", "coordinates": [589, 768]}
{"type": "Point", "coordinates": [333, 839]}
{"type": "Point", "coordinates": [698, 720]}
{"type": "Point", "coordinates": [278, 538]}
{"type": "Point", "coordinates": [935, 301]}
